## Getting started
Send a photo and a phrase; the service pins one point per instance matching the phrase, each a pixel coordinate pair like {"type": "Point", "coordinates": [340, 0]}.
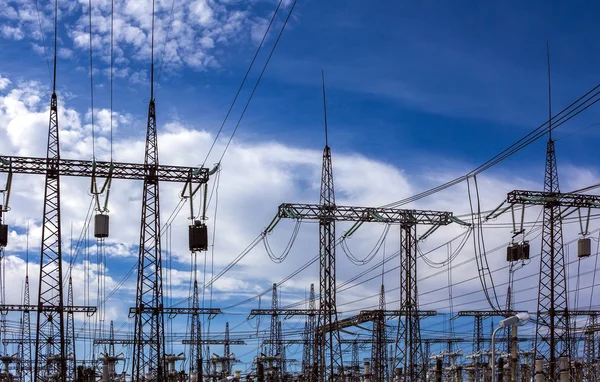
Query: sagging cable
{"type": "Point", "coordinates": [371, 255]}
{"type": "Point", "coordinates": [584, 232]}
{"type": "Point", "coordinates": [288, 248]}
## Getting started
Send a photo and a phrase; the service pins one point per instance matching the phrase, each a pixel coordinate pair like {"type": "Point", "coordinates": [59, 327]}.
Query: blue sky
{"type": "Point", "coordinates": [417, 93]}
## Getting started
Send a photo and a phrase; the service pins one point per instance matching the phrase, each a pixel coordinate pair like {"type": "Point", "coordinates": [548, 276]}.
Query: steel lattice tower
{"type": "Point", "coordinates": [71, 357]}
{"type": "Point", "coordinates": [196, 335]}
{"type": "Point", "coordinates": [149, 341]}
{"type": "Point", "coordinates": [328, 350]}
{"type": "Point", "coordinates": [355, 361]}
{"type": "Point", "coordinates": [273, 335]}
{"type": "Point", "coordinates": [25, 331]}
{"type": "Point", "coordinates": [281, 349]}
{"type": "Point", "coordinates": [50, 351]}
{"type": "Point", "coordinates": [308, 354]}
{"type": "Point", "coordinates": [111, 345]}
{"type": "Point", "coordinates": [589, 350]}
{"type": "Point", "coordinates": [227, 348]}
{"type": "Point", "coordinates": [477, 342]}
{"type": "Point", "coordinates": [379, 356]}
{"type": "Point", "coordinates": [552, 325]}
{"type": "Point", "coordinates": [409, 350]}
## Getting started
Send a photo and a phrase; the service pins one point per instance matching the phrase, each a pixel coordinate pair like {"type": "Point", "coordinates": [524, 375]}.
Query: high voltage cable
{"type": "Point", "coordinates": [258, 80]}
{"type": "Point", "coordinates": [562, 117]}
{"type": "Point", "coordinates": [243, 82]}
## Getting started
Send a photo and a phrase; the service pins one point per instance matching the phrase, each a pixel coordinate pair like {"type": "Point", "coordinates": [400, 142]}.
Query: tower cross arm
{"type": "Point", "coordinates": [282, 312]}
{"type": "Point", "coordinates": [116, 170]}
{"type": "Point", "coordinates": [175, 311]}
{"type": "Point", "coordinates": [553, 198]}
{"type": "Point", "coordinates": [443, 340]}
{"type": "Point", "coordinates": [35, 308]}
{"type": "Point", "coordinates": [212, 342]}
{"type": "Point", "coordinates": [372, 314]}
{"type": "Point", "coordinates": [363, 214]}
{"type": "Point", "coordinates": [486, 313]}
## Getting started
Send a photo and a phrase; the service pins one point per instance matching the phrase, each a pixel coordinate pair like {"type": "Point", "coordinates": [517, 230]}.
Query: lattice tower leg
{"type": "Point", "coordinates": [552, 325]}
{"type": "Point", "coordinates": [71, 356]}
{"type": "Point", "coordinates": [149, 341]}
{"type": "Point", "coordinates": [329, 349]}
{"type": "Point", "coordinates": [50, 330]}
{"type": "Point", "coordinates": [409, 350]}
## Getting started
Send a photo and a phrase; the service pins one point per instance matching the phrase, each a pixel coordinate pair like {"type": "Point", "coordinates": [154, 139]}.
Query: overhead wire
{"type": "Point", "coordinates": [575, 108]}
{"type": "Point", "coordinates": [243, 82]}
{"type": "Point", "coordinates": [43, 38]}
{"type": "Point", "coordinates": [258, 80]}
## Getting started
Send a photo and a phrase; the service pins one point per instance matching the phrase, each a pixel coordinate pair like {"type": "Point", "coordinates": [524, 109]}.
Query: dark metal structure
{"type": "Point", "coordinates": [408, 351]}
{"type": "Point", "coordinates": [71, 353]}
{"type": "Point", "coordinates": [553, 316]}
{"type": "Point", "coordinates": [379, 357]}
{"type": "Point", "coordinates": [308, 351]}
{"type": "Point", "coordinates": [196, 354]}
{"type": "Point", "coordinates": [50, 331]}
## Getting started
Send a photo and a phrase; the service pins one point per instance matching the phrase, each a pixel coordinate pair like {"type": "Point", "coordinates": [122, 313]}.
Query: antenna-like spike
{"type": "Point", "coordinates": [324, 108]}
{"type": "Point", "coordinates": [549, 93]}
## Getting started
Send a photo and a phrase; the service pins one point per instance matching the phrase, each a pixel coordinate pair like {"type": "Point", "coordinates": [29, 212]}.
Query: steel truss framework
{"type": "Point", "coordinates": [553, 316]}
{"type": "Point", "coordinates": [328, 351]}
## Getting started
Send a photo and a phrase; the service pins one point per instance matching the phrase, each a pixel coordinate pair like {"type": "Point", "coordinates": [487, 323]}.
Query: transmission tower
{"type": "Point", "coordinates": [111, 345]}
{"type": "Point", "coordinates": [328, 353]}
{"type": "Point", "coordinates": [590, 351]}
{"type": "Point", "coordinates": [227, 349]}
{"type": "Point", "coordinates": [274, 333]}
{"type": "Point", "coordinates": [327, 349]}
{"type": "Point", "coordinates": [379, 358]}
{"type": "Point", "coordinates": [25, 330]}
{"type": "Point", "coordinates": [308, 353]}
{"type": "Point", "coordinates": [50, 352]}
{"type": "Point", "coordinates": [281, 364]}
{"type": "Point", "coordinates": [71, 357]}
{"type": "Point", "coordinates": [409, 352]}
{"type": "Point", "coordinates": [149, 345]}
{"type": "Point", "coordinates": [553, 287]}
{"type": "Point", "coordinates": [196, 359]}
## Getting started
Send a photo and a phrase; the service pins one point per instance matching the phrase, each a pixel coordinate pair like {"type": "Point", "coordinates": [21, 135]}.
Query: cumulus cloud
{"type": "Point", "coordinates": [187, 34]}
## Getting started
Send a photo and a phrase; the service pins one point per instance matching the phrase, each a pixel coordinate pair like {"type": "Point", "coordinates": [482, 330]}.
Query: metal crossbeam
{"type": "Point", "coordinates": [552, 198]}
{"type": "Point", "coordinates": [48, 308]}
{"type": "Point", "coordinates": [108, 341]}
{"type": "Point", "coordinates": [364, 214]}
{"type": "Point", "coordinates": [116, 170]}
{"type": "Point", "coordinates": [397, 313]}
{"type": "Point", "coordinates": [282, 312]}
{"type": "Point", "coordinates": [486, 313]}
{"type": "Point", "coordinates": [371, 315]}
{"type": "Point", "coordinates": [21, 341]}
{"type": "Point", "coordinates": [175, 311]}
{"type": "Point", "coordinates": [443, 340]}
{"type": "Point", "coordinates": [362, 341]}
{"type": "Point", "coordinates": [213, 342]}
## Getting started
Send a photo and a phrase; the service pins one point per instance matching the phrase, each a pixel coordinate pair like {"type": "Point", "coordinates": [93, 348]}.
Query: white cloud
{"type": "Point", "coordinates": [4, 82]}
{"type": "Point", "coordinates": [188, 33]}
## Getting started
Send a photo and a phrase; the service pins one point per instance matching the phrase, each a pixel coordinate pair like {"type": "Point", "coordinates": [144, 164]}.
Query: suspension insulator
{"type": "Point", "coordinates": [101, 226]}
{"type": "Point", "coordinates": [198, 236]}
{"type": "Point", "coordinates": [3, 235]}
{"type": "Point", "coordinates": [512, 252]}
{"type": "Point", "coordinates": [524, 251]}
{"type": "Point", "coordinates": [584, 247]}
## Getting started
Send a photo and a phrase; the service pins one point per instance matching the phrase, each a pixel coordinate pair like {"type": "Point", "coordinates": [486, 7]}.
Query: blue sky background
{"type": "Point", "coordinates": [417, 93]}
